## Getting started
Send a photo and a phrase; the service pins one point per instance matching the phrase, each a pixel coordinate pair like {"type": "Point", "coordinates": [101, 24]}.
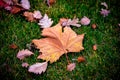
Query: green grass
{"type": "Point", "coordinates": [102, 64]}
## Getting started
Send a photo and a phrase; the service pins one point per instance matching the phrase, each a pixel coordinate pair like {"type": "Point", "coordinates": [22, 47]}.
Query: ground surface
{"type": "Point", "coordinates": [102, 64]}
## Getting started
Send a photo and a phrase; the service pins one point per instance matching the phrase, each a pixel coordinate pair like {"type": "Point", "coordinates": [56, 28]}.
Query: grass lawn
{"type": "Point", "coordinates": [102, 64]}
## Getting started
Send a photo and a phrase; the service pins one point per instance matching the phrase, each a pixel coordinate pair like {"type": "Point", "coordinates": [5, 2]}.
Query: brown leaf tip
{"type": "Point", "coordinates": [81, 59]}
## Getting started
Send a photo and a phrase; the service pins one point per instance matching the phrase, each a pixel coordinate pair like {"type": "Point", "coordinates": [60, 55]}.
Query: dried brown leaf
{"type": "Point", "coordinates": [58, 42]}
{"type": "Point", "coordinates": [13, 46]}
{"type": "Point", "coordinates": [81, 59]}
{"type": "Point", "coordinates": [16, 9]}
{"type": "Point", "coordinates": [29, 16]}
{"type": "Point", "coordinates": [50, 2]}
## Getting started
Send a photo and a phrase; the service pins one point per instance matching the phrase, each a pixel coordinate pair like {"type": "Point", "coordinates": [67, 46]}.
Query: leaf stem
{"type": "Point", "coordinates": [67, 58]}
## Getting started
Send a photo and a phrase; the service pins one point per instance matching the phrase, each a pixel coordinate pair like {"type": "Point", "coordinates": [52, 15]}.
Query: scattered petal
{"type": "Point", "coordinates": [37, 15]}
{"type": "Point", "coordinates": [71, 66]}
{"type": "Point", "coordinates": [85, 21]}
{"type": "Point", "coordinates": [38, 68]}
{"type": "Point", "coordinates": [81, 59]}
{"type": "Point", "coordinates": [104, 12]}
{"type": "Point", "coordinates": [63, 21]}
{"type": "Point", "coordinates": [23, 53]}
{"type": "Point", "coordinates": [104, 4]}
{"type": "Point", "coordinates": [73, 22]}
{"type": "Point", "coordinates": [94, 26]}
{"type": "Point", "coordinates": [16, 9]}
{"type": "Point", "coordinates": [25, 64]}
{"type": "Point", "coordinates": [95, 47]}
{"type": "Point", "coordinates": [13, 46]}
{"type": "Point", "coordinates": [69, 22]}
{"type": "Point", "coordinates": [25, 4]}
{"type": "Point", "coordinates": [45, 22]}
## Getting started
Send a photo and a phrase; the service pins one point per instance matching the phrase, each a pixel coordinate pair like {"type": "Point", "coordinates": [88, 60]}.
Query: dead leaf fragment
{"type": "Point", "coordinates": [13, 46]}
{"type": "Point", "coordinates": [50, 2]}
{"type": "Point", "coordinates": [94, 26]}
{"type": "Point", "coordinates": [58, 42]}
{"type": "Point", "coordinates": [95, 47]}
{"type": "Point", "coordinates": [81, 59]}
{"type": "Point", "coordinates": [16, 9]}
{"type": "Point", "coordinates": [38, 68]}
{"type": "Point", "coordinates": [71, 66]}
{"type": "Point", "coordinates": [29, 16]}
{"type": "Point", "coordinates": [23, 53]}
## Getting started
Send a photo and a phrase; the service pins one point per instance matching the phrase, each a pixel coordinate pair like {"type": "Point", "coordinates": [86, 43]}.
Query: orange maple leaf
{"type": "Point", "coordinates": [58, 42]}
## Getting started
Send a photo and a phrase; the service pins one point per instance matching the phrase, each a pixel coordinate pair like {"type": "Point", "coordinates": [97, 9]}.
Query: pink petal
{"type": "Point", "coordinates": [104, 12]}
{"type": "Point", "coordinates": [71, 66]}
{"type": "Point", "coordinates": [63, 21]}
{"type": "Point", "coordinates": [25, 4]}
{"type": "Point", "coordinates": [85, 21]}
{"type": "Point", "coordinates": [37, 15]}
{"type": "Point", "coordinates": [38, 68]}
{"type": "Point", "coordinates": [73, 22]}
{"type": "Point", "coordinates": [23, 53]}
{"type": "Point", "coordinates": [25, 64]}
{"type": "Point", "coordinates": [45, 22]}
